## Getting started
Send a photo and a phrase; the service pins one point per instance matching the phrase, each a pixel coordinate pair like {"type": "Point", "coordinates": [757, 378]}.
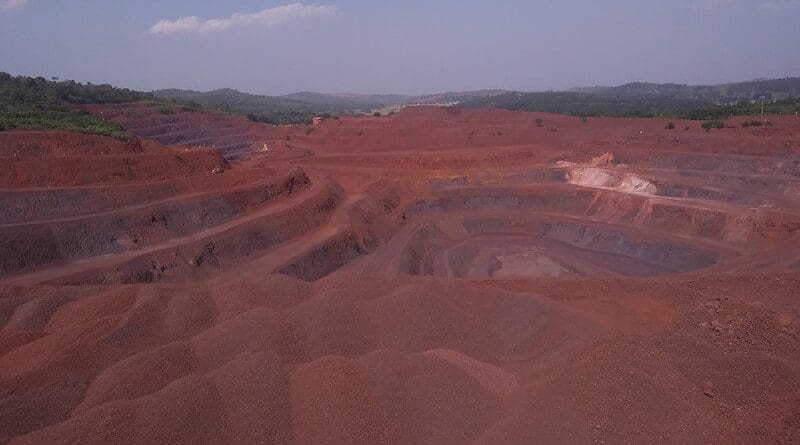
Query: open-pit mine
{"type": "Point", "coordinates": [440, 275]}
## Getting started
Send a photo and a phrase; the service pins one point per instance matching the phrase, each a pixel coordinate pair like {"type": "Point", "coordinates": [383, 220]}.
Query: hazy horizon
{"type": "Point", "coordinates": [412, 48]}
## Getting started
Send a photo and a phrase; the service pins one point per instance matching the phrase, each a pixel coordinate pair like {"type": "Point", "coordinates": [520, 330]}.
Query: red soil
{"type": "Point", "coordinates": [54, 159]}
{"type": "Point", "coordinates": [436, 276]}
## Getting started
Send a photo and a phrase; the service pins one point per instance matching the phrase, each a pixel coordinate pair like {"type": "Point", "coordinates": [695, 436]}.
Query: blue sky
{"type": "Point", "coordinates": [411, 47]}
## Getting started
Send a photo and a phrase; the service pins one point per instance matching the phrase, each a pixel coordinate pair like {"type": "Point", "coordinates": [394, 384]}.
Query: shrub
{"type": "Point", "coordinates": [670, 126]}
{"type": "Point", "coordinates": [539, 122]}
{"type": "Point", "coordinates": [755, 123]}
{"type": "Point", "coordinates": [745, 124]}
{"type": "Point", "coordinates": [2, 126]}
{"type": "Point", "coordinates": [687, 128]}
{"type": "Point", "coordinates": [713, 124]}
{"type": "Point", "coordinates": [583, 120]}
{"type": "Point", "coordinates": [377, 114]}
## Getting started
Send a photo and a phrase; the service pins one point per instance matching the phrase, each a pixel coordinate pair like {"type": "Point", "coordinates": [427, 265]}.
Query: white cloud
{"type": "Point", "coordinates": [13, 4]}
{"type": "Point", "coordinates": [267, 18]}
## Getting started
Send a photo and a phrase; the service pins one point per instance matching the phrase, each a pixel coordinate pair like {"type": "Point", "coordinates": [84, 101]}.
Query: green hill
{"type": "Point", "coordinates": [273, 110]}
{"type": "Point", "coordinates": [640, 99]}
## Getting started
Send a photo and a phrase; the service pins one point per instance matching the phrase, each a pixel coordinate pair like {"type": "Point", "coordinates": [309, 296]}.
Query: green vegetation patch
{"type": "Point", "coordinates": [66, 120]}
{"type": "Point", "coordinates": [38, 103]}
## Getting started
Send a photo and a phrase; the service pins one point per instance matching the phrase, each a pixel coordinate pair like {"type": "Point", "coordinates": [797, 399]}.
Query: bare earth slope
{"type": "Point", "coordinates": [435, 276]}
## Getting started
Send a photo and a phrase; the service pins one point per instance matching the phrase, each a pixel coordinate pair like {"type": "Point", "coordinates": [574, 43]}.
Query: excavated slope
{"type": "Point", "coordinates": [435, 276]}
